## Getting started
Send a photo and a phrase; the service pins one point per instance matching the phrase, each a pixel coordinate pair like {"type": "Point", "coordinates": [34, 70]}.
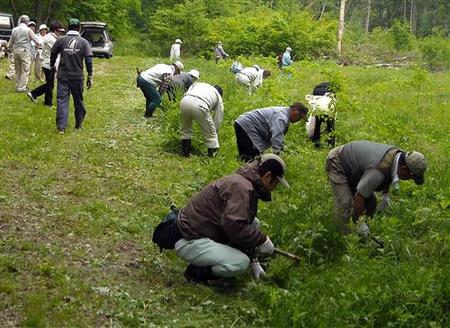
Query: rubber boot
{"type": "Point", "coordinates": [212, 152]}
{"type": "Point", "coordinates": [186, 147]}
{"type": "Point", "coordinates": [199, 274]}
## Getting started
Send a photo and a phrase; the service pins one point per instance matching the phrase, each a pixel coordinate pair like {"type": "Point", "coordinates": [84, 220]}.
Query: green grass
{"type": "Point", "coordinates": [77, 210]}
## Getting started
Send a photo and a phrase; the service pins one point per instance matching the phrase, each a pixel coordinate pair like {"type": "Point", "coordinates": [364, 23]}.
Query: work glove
{"type": "Point", "coordinates": [362, 229]}
{"type": "Point", "coordinates": [266, 248]}
{"type": "Point", "coordinates": [385, 203]}
{"type": "Point", "coordinates": [258, 271]}
{"type": "Point", "coordinates": [89, 82]}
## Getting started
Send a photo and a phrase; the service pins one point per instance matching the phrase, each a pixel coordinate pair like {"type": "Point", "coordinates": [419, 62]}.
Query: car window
{"type": "Point", "coordinates": [5, 22]}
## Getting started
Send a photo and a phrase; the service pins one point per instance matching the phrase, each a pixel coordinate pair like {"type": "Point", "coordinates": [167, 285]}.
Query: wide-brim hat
{"type": "Point", "coordinates": [43, 27]}
{"type": "Point", "coordinates": [194, 73]}
{"type": "Point", "coordinates": [178, 41]}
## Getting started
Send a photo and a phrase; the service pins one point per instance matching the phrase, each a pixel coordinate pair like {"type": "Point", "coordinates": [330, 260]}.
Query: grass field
{"type": "Point", "coordinates": [77, 210]}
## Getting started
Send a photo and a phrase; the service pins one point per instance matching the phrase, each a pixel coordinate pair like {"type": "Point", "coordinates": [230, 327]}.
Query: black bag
{"type": "Point", "coordinates": [166, 233]}
{"type": "Point", "coordinates": [322, 88]}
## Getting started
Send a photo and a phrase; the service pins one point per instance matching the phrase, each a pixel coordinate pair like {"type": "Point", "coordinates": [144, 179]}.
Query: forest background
{"type": "Point", "coordinates": [400, 32]}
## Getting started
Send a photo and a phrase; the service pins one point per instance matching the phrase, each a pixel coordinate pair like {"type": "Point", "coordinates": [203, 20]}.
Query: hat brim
{"type": "Point", "coordinates": [283, 182]}
{"type": "Point", "coordinates": [419, 179]}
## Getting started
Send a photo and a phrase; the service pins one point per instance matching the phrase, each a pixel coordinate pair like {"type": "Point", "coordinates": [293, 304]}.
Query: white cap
{"type": "Point", "coordinates": [178, 41]}
{"type": "Point", "coordinates": [43, 27]}
{"type": "Point", "coordinates": [179, 65]}
{"type": "Point", "coordinates": [289, 49]}
{"type": "Point", "coordinates": [257, 67]}
{"type": "Point", "coordinates": [24, 19]}
{"type": "Point", "coordinates": [194, 73]}
{"type": "Point", "coordinates": [31, 23]}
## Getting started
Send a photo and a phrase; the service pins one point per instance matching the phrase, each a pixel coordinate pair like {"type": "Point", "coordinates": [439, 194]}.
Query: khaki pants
{"type": "Point", "coordinates": [22, 64]}
{"type": "Point", "coordinates": [11, 69]}
{"type": "Point", "coordinates": [194, 109]}
{"type": "Point", "coordinates": [38, 74]}
{"type": "Point", "coordinates": [342, 191]}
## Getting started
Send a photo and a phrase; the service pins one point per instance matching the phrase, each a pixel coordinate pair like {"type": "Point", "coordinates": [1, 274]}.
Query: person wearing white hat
{"type": "Point", "coordinates": [175, 50]}
{"type": "Point", "coordinates": [219, 52]}
{"type": "Point", "coordinates": [56, 29]}
{"type": "Point", "coordinates": [287, 60]}
{"type": "Point", "coordinates": [359, 168]}
{"type": "Point", "coordinates": [20, 43]}
{"type": "Point", "coordinates": [182, 82]}
{"type": "Point", "coordinates": [219, 223]}
{"type": "Point", "coordinates": [43, 29]}
{"type": "Point", "coordinates": [202, 103]}
{"type": "Point", "coordinates": [252, 77]}
{"type": "Point", "coordinates": [155, 81]}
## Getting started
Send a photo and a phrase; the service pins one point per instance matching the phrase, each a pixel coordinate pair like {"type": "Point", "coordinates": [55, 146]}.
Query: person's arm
{"type": "Point", "coordinates": [54, 52]}
{"type": "Point", "coordinates": [218, 112]}
{"type": "Point", "coordinates": [34, 38]}
{"type": "Point", "coordinates": [165, 84]}
{"type": "Point", "coordinates": [358, 206]}
{"type": "Point", "coordinates": [277, 128]}
{"type": "Point", "coordinates": [369, 182]}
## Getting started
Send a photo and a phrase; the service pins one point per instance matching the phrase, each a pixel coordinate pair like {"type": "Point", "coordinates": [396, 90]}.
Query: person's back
{"type": "Point", "coordinates": [206, 92]}
{"type": "Point", "coordinates": [182, 81]}
{"type": "Point", "coordinates": [72, 49]}
{"type": "Point", "coordinates": [286, 60]}
{"type": "Point", "coordinates": [155, 73]}
{"type": "Point", "coordinates": [20, 37]}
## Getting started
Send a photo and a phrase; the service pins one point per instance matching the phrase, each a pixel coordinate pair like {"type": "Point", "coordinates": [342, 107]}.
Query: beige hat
{"type": "Point", "coordinates": [194, 73]}
{"type": "Point", "coordinates": [179, 65]}
{"type": "Point", "coordinates": [43, 27]}
{"type": "Point", "coordinates": [289, 49]}
{"type": "Point", "coordinates": [178, 41]}
{"type": "Point", "coordinates": [417, 164]}
{"type": "Point", "coordinates": [276, 165]}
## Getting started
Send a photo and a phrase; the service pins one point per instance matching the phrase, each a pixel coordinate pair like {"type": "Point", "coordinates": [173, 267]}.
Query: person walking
{"type": "Point", "coordinates": [260, 129]}
{"type": "Point", "coordinates": [20, 43]}
{"type": "Point", "coordinates": [154, 82]}
{"type": "Point", "coordinates": [219, 52]}
{"type": "Point", "coordinates": [220, 235]}
{"type": "Point", "coordinates": [175, 50]}
{"type": "Point", "coordinates": [43, 29]}
{"type": "Point", "coordinates": [201, 103]}
{"type": "Point", "coordinates": [56, 29]}
{"type": "Point", "coordinates": [252, 77]}
{"type": "Point", "coordinates": [73, 49]}
{"type": "Point", "coordinates": [359, 168]}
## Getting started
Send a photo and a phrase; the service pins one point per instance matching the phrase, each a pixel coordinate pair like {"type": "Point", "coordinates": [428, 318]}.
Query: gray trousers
{"type": "Point", "coordinates": [65, 88]}
{"type": "Point", "coordinates": [225, 261]}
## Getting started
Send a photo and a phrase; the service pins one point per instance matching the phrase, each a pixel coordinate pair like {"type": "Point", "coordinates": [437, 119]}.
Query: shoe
{"type": "Point", "coordinates": [8, 77]}
{"type": "Point", "coordinates": [200, 275]}
{"type": "Point", "coordinates": [61, 131]}
{"type": "Point", "coordinates": [30, 95]}
{"type": "Point", "coordinates": [186, 147]}
{"type": "Point", "coordinates": [212, 152]}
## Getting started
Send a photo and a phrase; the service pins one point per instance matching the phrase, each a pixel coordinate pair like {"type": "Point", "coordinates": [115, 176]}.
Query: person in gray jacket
{"type": "Point", "coordinates": [359, 168]}
{"type": "Point", "coordinates": [260, 129]}
{"type": "Point", "coordinates": [219, 229]}
{"type": "Point", "coordinates": [182, 82]}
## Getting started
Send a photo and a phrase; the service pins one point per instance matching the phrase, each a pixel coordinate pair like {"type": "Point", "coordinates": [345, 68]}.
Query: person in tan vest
{"type": "Point", "coordinates": [359, 168]}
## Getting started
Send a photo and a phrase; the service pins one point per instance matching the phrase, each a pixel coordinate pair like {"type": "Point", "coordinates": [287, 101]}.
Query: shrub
{"type": "Point", "coordinates": [435, 52]}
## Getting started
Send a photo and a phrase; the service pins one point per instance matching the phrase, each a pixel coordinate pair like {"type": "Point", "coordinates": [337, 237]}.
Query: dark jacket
{"type": "Point", "coordinates": [225, 209]}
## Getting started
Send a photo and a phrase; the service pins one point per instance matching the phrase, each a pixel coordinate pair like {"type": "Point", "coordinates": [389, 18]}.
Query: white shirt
{"type": "Point", "coordinates": [154, 74]}
{"type": "Point", "coordinates": [21, 37]}
{"type": "Point", "coordinates": [211, 97]}
{"type": "Point", "coordinates": [394, 172]}
{"type": "Point", "coordinates": [175, 51]}
{"type": "Point", "coordinates": [47, 44]}
{"type": "Point", "coordinates": [254, 75]}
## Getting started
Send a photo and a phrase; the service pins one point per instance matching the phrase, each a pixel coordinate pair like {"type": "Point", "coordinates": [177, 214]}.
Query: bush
{"type": "Point", "coordinates": [435, 52]}
{"type": "Point", "coordinates": [401, 35]}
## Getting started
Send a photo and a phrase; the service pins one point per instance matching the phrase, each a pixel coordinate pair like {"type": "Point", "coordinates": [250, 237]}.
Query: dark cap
{"type": "Point", "coordinates": [276, 165]}
{"type": "Point", "coordinates": [74, 22]}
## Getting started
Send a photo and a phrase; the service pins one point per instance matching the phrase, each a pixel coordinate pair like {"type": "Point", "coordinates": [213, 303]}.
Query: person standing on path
{"type": "Point", "coordinates": [43, 29]}
{"type": "Point", "coordinates": [154, 82]}
{"type": "Point", "coordinates": [175, 50]}
{"type": "Point", "coordinates": [73, 49]}
{"type": "Point", "coordinates": [260, 129]}
{"type": "Point", "coordinates": [201, 103]}
{"type": "Point", "coordinates": [20, 43]}
{"type": "Point", "coordinates": [56, 29]}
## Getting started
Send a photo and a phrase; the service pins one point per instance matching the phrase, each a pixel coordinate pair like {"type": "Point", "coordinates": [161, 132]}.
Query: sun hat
{"type": "Point", "coordinates": [178, 41]}
{"type": "Point", "coordinates": [179, 65]}
{"type": "Point", "coordinates": [194, 73]}
{"type": "Point", "coordinates": [276, 165]}
{"type": "Point", "coordinates": [31, 23]}
{"type": "Point", "coordinates": [417, 164]}
{"type": "Point", "coordinates": [288, 49]}
{"type": "Point", "coordinates": [43, 27]}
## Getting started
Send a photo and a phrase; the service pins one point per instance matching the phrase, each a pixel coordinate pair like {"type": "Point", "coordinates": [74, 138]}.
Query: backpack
{"type": "Point", "coordinates": [236, 67]}
{"type": "Point", "coordinates": [166, 233]}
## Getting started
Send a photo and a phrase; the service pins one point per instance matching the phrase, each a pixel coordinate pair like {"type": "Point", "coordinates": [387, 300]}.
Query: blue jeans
{"type": "Point", "coordinates": [152, 96]}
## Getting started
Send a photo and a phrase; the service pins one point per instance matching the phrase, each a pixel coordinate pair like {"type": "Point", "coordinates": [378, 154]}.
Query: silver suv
{"type": "Point", "coordinates": [98, 38]}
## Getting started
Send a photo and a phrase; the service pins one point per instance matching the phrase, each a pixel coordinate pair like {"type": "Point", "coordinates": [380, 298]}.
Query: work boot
{"type": "Point", "coordinates": [186, 147]}
{"type": "Point", "coordinates": [212, 152]}
{"type": "Point", "coordinates": [199, 274]}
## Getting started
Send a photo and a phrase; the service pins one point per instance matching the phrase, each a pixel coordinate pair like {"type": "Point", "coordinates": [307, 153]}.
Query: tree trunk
{"type": "Point", "coordinates": [404, 11]}
{"type": "Point", "coordinates": [367, 17]}
{"type": "Point", "coordinates": [340, 35]}
{"type": "Point", "coordinates": [14, 9]}
{"type": "Point", "coordinates": [413, 17]}
{"type": "Point", "coordinates": [323, 9]}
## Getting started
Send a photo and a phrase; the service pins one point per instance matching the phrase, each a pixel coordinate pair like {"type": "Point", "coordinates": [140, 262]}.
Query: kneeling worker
{"type": "Point", "coordinates": [201, 103]}
{"type": "Point", "coordinates": [260, 129]}
{"type": "Point", "coordinates": [219, 225]}
{"type": "Point", "coordinates": [359, 168]}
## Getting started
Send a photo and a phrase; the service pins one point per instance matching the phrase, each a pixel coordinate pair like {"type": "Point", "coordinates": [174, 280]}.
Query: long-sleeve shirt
{"type": "Point", "coordinates": [72, 49]}
{"type": "Point", "coordinates": [47, 44]}
{"type": "Point", "coordinates": [155, 74]}
{"type": "Point", "coordinates": [175, 51]}
{"type": "Point", "coordinates": [220, 52]}
{"type": "Point", "coordinates": [286, 60]}
{"type": "Point", "coordinates": [266, 127]}
{"type": "Point", "coordinates": [254, 75]}
{"type": "Point", "coordinates": [211, 98]}
{"type": "Point", "coordinates": [21, 37]}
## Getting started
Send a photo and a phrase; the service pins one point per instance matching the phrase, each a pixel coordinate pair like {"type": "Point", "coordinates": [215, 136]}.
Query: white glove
{"type": "Point", "coordinates": [385, 203]}
{"type": "Point", "coordinates": [362, 229]}
{"type": "Point", "coordinates": [258, 271]}
{"type": "Point", "coordinates": [266, 248]}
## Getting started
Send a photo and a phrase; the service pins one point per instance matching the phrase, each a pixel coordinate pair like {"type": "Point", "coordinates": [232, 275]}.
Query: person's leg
{"type": "Point", "coordinates": [50, 83]}
{"type": "Point", "coordinates": [330, 131]}
{"type": "Point", "coordinates": [24, 63]}
{"type": "Point", "coordinates": [187, 106]}
{"type": "Point", "coordinates": [18, 68]}
{"type": "Point", "coordinates": [371, 204]}
{"type": "Point", "coordinates": [208, 129]}
{"type": "Point", "coordinates": [316, 136]}
{"type": "Point", "coordinates": [152, 96]}
{"type": "Point", "coordinates": [76, 88]}
{"type": "Point", "coordinates": [62, 106]}
{"type": "Point", "coordinates": [40, 90]}
{"type": "Point", "coordinates": [246, 148]}
{"type": "Point", "coordinates": [11, 74]}
{"type": "Point", "coordinates": [225, 261]}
